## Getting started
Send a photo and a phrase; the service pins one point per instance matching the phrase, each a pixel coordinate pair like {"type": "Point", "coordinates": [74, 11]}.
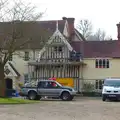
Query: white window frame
{"type": "Point", "coordinates": [106, 60]}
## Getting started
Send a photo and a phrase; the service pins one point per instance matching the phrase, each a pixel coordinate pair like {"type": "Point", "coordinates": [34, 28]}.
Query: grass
{"type": "Point", "coordinates": [16, 101]}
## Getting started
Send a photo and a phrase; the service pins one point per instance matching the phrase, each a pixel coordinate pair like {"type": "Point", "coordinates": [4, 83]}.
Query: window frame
{"type": "Point", "coordinates": [26, 57]}
{"type": "Point", "coordinates": [102, 63]}
{"type": "Point", "coordinates": [26, 76]}
{"type": "Point", "coordinates": [46, 86]}
{"type": "Point", "coordinates": [11, 57]}
{"type": "Point", "coordinates": [55, 48]}
{"type": "Point", "coordinates": [98, 84]}
{"type": "Point", "coordinates": [58, 49]}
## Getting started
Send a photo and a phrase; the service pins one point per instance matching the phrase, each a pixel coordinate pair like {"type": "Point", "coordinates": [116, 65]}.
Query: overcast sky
{"type": "Point", "coordinates": [103, 14]}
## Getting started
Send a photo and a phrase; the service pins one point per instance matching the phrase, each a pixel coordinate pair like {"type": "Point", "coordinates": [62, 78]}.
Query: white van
{"type": "Point", "coordinates": [111, 89]}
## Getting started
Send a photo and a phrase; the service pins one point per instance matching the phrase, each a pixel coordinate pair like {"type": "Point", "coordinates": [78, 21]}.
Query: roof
{"type": "Point", "coordinates": [51, 25]}
{"type": "Point", "coordinates": [17, 73]}
{"type": "Point", "coordinates": [35, 31]}
{"type": "Point", "coordinates": [80, 34]}
{"type": "Point", "coordinates": [94, 49]}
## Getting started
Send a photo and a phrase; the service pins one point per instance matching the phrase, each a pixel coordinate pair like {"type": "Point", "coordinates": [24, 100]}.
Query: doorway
{"type": "Point", "coordinates": [9, 83]}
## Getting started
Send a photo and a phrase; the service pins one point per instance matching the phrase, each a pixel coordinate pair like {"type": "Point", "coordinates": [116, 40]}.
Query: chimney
{"type": "Point", "coordinates": [64, 18]}
{"type": "Point", "coordinates": [71, 20]}
{"type": "Point", "coordinates": [118, 31]}
{"type": "Point", "coordinates": [70, 25]}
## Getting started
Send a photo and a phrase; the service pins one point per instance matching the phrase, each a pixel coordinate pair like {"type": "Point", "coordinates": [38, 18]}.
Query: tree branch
{"type": "Point", "coordinates": [19, 11]}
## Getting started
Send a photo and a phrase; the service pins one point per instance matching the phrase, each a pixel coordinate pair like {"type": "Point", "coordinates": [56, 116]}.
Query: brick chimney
{"type": "Point", "coordinates": [64, 18]}
{"type": "Point", "coordinates": [118, 31]}
{"type": "Point", "coordinates": [70, 25]}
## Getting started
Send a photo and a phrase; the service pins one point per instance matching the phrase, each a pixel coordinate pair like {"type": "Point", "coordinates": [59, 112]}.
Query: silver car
{"type": "Point", "coordinates": [48, 88]}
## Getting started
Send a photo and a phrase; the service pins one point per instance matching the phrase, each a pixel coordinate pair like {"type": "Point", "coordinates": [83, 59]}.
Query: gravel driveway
{"type": "Point", "coordinates": [79, 109]}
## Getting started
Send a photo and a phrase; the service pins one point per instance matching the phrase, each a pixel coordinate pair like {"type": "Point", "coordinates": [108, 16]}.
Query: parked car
{"type": "Point", "coordinates": [111, 89]}
{"type": "Point", "coordinates": [48, 88]}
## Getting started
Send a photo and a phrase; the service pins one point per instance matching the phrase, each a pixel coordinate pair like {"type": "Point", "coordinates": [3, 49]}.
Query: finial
{"type": "Point", "coordinates": [56, 25]}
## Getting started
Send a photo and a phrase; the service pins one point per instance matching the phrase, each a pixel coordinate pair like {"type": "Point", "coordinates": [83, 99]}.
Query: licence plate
{"type": "Point", "coordinates": [112, 95]}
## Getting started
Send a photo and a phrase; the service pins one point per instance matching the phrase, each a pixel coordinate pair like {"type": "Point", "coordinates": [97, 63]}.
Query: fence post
{"type": "Point", "coordinates": [78, 85]}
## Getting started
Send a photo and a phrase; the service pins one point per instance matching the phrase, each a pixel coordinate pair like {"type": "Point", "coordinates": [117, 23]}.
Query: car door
{"type": "Point", "coordinates": [42, 88]}
{"type": "Point", "coordinates": [53, 89]}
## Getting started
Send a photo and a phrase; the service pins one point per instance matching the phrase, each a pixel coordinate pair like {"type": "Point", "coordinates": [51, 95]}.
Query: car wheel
{"type": "Point", "coordinates": [32, 95]}
{"type": "Point", "coordinates": [66, 96]}
{"type": "Point", "coordinates": [103, 98]}
{"type": "Point", "coordinates": [71, 98]}
{"type": "Point", "coordinates": [38, 97]}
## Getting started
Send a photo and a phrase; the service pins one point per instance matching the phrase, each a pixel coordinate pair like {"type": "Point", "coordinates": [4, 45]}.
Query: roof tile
{"type": "Point", "coordinates": [94, 49]}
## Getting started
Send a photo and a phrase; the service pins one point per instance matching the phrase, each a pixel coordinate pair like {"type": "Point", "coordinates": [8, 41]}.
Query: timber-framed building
{"type": "Point", "coordinates": [65, 54]}
{"type": "Point", "coordinates": [58, 58]}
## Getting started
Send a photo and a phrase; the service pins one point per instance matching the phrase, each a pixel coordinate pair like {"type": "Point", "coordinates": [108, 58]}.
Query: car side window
{"type": "Point", "coordinates": [42, 84]}
{"type": "Point", "coordinates": [52, 85]}
{"type": "Point", "coordinates": [47, 84]}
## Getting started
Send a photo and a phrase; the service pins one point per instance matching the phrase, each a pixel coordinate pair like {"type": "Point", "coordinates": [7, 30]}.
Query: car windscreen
{"type": "Point", "coordinates": [112, 83]}
{"type": "Point", "coordinates": [58, 84]}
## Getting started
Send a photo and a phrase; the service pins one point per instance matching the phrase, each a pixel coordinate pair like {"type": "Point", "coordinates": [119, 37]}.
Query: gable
{"type": "Point", "coordinates": [10, 70]}
{"type": "Point", "coordinates": [57, 39]}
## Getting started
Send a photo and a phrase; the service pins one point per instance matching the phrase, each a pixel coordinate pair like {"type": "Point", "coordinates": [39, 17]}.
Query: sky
{"type": "Point", "coordinates": [104, 14]}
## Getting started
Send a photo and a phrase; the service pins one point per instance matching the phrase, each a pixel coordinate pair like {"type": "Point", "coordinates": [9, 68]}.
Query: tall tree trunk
{"type": "Point", "coordinates": [2, 81]}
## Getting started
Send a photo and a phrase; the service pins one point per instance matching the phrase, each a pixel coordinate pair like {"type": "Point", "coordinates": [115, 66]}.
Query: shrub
{"type": "Point", "coordinates": [88, 87]}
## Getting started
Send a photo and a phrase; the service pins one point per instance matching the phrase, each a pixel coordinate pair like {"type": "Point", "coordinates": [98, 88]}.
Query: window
{"type": "Point", "coordinates": [10, 57]}
{"type": "Point", "coordinates": [57, 39]}
{"type": "Point", "coordinates": [41, 85]}
{"type": "Point", "coordinates": [102, 63]}
{"type": "Point", "coordinates": [114, 83]}
{"type": "Point", "coordinates": [55, 48]}
{"type": "Point", "coordinates": [58, 49]}
{"type": "Point", "coordinates": [33, 75]}
{"type": "Point", "coordinates": [47, 84]}
{"type": "Point", "coordinates": [98, 84]}
{"type": "Point", "coordinates": [7, 71]}
{"type": "Point", "coordinates": [26, 56]}
{"type": "Point", "coordinates": [26, 78]}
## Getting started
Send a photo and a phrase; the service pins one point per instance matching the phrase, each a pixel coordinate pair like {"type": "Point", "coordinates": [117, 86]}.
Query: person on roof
{"type": "Point", "coordinates": [53, 78]}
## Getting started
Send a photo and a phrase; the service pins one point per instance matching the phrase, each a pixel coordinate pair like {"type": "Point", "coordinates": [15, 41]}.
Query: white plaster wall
{"type": "Point", "coordinates": [20, 64]}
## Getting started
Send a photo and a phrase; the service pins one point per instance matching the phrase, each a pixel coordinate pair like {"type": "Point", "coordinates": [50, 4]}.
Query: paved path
{"type": "Point", "coordinates": [81, 109]}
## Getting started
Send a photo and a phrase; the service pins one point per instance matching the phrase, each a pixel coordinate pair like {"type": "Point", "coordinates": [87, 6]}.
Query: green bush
{"type": "Point", "coordinates": [88, 87]}
{"type": "Point", "coordinates": [91, 94]}
{"type": "Point", "coordinates": [89, 90]}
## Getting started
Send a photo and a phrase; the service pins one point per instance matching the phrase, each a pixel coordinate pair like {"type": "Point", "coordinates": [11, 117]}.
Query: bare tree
{"type": "Point", "coordinates": [10, 39]}
{"type": "Point", "coordinates": [108, 38]}
{"type": "Point", "coordinates": [85, 28]}
{"type": "Point", "coordinates": [100, 35]}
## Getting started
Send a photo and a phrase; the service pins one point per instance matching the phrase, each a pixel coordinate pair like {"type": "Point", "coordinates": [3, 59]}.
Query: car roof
{"type": "Point", "coordinates": [45, 80]}
{"type": "Point", "coordinates": [112, 79]}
